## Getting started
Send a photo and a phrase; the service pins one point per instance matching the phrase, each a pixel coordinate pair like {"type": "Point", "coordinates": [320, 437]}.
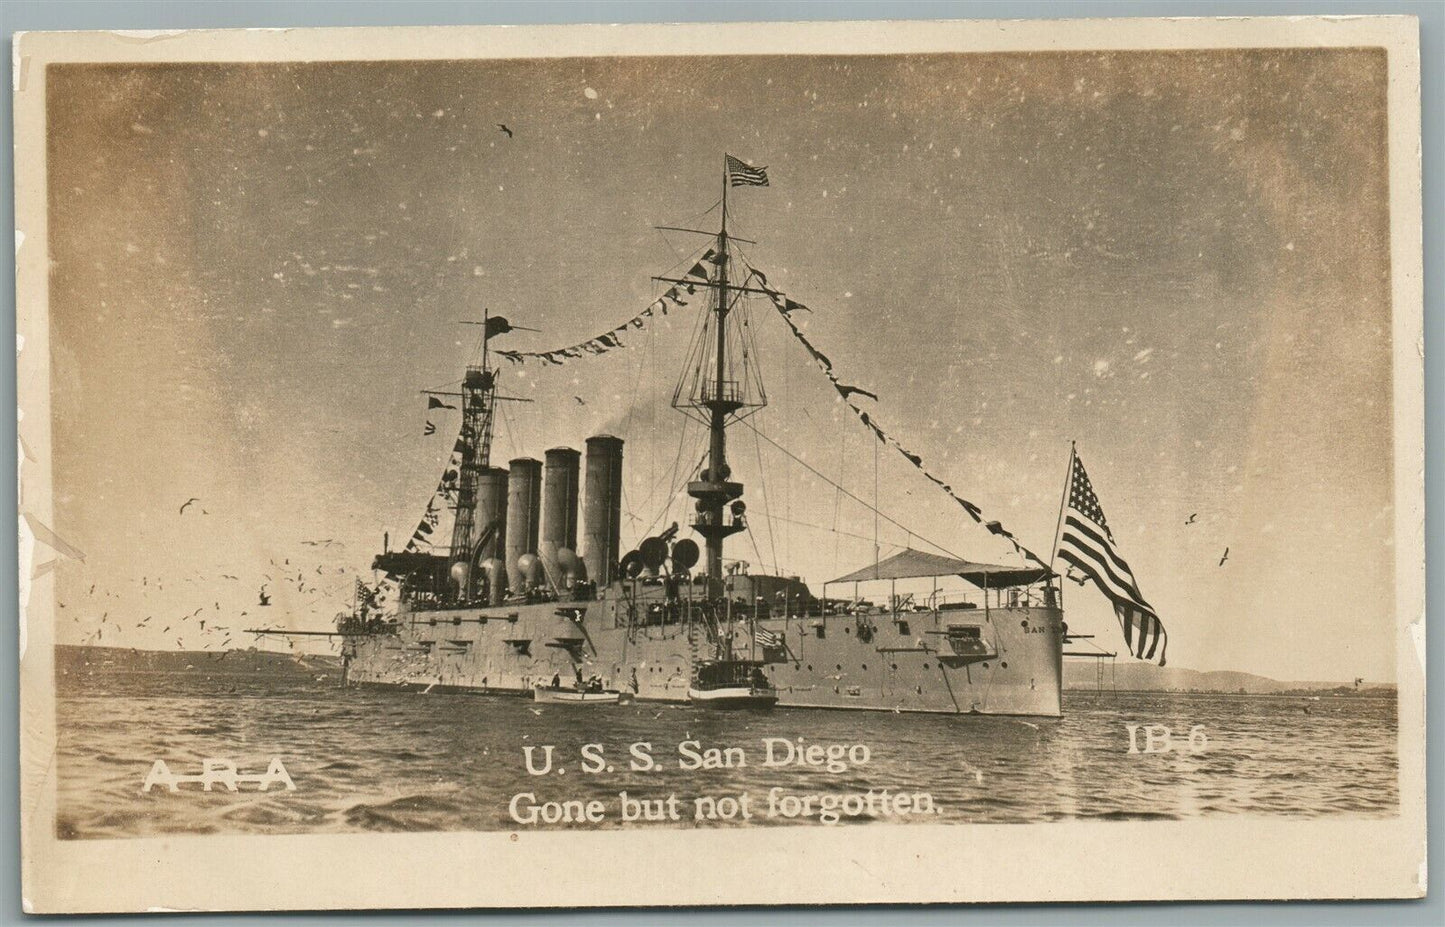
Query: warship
{"type": "Point", "coordinates": [530, 599]}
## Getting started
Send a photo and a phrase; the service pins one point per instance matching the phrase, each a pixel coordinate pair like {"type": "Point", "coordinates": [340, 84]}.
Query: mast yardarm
{"type": "Point", "coordinates": [717, 388]}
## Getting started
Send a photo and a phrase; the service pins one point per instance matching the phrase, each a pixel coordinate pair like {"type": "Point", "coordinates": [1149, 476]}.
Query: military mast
{"type": "Point", "coordinates": [478, 401]}
{"type": "Point", "coordinates": [721, 397]}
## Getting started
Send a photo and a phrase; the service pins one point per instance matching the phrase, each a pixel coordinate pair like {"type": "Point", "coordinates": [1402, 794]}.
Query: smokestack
{"type": "Point", "coordinates": [603, 523]}
{"type": "Point", "coordinates": [559, 507]}
{"type": "Point", "coordinates": [492, 510]}
{"type": "Point", "coordinates": [524, 497]}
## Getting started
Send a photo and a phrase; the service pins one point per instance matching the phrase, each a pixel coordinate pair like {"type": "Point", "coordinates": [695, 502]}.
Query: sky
{"type": "Point", "coordinates": [1178, 260]}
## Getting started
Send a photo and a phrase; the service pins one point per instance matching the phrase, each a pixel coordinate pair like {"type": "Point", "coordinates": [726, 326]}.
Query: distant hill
{"type": "Point", "coordinates": [1138, 676]}
{"type": "Point", "coordinates": [71, 658]}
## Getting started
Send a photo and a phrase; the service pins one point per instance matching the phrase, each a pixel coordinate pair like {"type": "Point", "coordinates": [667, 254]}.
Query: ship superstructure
{"type": "Point", "coordinates": [529, 595]}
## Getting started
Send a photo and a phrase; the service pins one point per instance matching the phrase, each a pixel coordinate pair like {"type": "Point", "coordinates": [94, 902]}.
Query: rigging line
{"type": "Point", "coordinates": [672, 495]}
{"type": "Point", "coordinates": [763, 479]}
{"type": "Point", "coordinates": [686, 256]}
{"type": "Point", "coordinates": [831, 482]}
{"type": "Point", "coordinates": [692, 219]}
{"type": "Point", "coordinates": [441, 387]}
{"type": "Point", "coordinates": [676, 253]}
{"type": "Point", "coordinates": [511, 429]}
{"type": "Point", "coordinates": [632, 401]}
{"type": "Point", "coordinates": [838, 531]}
{"type": "Point", "coordinates": [627, 508]}
{"type": "Point", "coordinates": [672, 471]}
{"type": "Point", "coordinates": [758, 553]}
{"type": "Point", "coordinates": [694, 346]}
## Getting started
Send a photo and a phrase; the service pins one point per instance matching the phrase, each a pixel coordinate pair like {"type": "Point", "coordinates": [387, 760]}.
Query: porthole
{"type": "Point", "coordinates": [1003, 665]}
{"type": "Point", "coordinates": [925, 666]}
{"type": "Point", "coordinates": [810, 667]}
{"type": "Point", "coordinates": [895, 666]}
{"type": "Point", "coordinates": [837, 666]}
{"type": "Point", "coordinates": [985, 666]}
{"type": "Point", "coordinates": [865, 666]}
{"type": "Point", "coordinates": [1024, 624]}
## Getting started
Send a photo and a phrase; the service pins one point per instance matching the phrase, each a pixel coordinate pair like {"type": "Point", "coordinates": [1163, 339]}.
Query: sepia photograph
{"type": "Point", "coordinates": [570, 449]}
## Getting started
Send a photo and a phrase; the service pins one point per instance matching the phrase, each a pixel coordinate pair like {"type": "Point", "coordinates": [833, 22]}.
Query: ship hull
{"type": "Point", "coordinates": [910, 661]}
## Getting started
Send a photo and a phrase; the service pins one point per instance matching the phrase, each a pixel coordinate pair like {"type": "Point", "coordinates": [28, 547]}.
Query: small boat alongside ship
{"type": "Point", "coordinates": [731, 684]}
{"type": "Point", "coordinates": [560, 695]}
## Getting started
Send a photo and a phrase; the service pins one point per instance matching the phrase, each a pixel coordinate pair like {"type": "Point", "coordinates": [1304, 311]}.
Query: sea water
{"type": "Point", "coordinates": [387, 760]}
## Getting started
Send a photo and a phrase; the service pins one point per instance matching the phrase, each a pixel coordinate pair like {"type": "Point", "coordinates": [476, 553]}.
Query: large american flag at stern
{"type": "Point", "coordinates": [743, 174]}
{"type": "Point", "coordinates": [1087, 545]}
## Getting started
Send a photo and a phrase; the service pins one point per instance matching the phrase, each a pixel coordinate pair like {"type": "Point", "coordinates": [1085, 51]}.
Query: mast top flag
{"type": "Point", "coordinates": [742, 174]}
{"type": "Point", "coordinates": [1086, 544]}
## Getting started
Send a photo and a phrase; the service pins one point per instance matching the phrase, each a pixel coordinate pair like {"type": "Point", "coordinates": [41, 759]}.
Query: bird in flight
{"type": "Point", "coordinates": [188, 503]}
{"type": "Point", "coordinates": [1191, 518]}
{"type": "Point", "coordinates": [1225, 557]}
{"type": "Point", "coordinates": [505, 130]}
{"type": "Point", "coordinates": [265, 599]}
{"type": "Point", "coordinates": [580, 400]}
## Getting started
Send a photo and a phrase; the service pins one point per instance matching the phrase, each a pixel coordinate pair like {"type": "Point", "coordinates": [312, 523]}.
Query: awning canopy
{"type": "Point", "coordinates": [911, 564]}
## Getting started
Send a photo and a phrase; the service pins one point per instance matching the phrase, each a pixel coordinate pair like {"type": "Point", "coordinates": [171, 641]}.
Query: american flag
{"type": "Point", "coordinates": [766, 638]}
{"type": "Point", "coordinates": [1087, 545]}
{"type": "Point", "coordinates": [743, 174]}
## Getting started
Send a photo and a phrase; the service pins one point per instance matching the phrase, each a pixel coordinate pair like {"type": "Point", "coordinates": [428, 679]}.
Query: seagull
{"type": "Point", "coordinates": [1225, 557]}
{"type": "Point", "coordinates": [186, 504]}
{"type": "Point", "coordinates": [265, 599]}
{"type": "Point", "coordinates": [505, 130]}
{"type": "Point", "coordinates": [1191, 518]}
{"type": "Point", "coordinates": [580, 400]}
